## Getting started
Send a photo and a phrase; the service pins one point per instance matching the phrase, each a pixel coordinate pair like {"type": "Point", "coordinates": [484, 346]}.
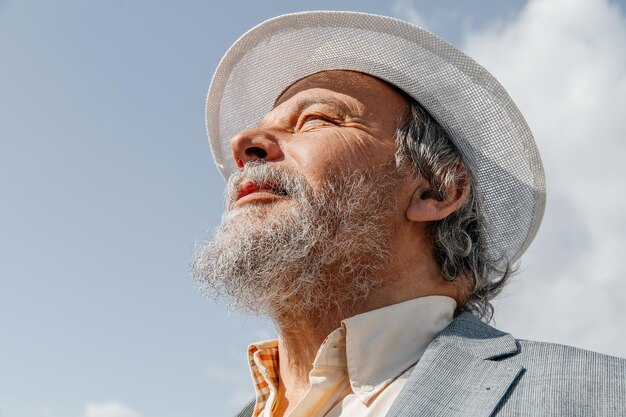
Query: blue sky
{"type": "Point", "coordinates": [107, 183]}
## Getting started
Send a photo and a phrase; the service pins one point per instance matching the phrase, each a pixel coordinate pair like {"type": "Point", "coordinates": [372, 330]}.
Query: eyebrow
{"type": "Point", "coordinates": [305, 102]}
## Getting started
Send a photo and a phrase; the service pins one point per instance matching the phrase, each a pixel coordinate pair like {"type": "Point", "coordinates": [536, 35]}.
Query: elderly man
{"type": "Point", "coordinates": [381, 186]}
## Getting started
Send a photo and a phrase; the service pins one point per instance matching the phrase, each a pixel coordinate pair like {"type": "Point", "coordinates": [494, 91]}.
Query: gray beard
{"type": "Point", "coordinates": [313, 254]}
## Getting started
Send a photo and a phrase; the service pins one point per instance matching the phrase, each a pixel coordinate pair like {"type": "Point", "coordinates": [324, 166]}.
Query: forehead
{"type": "Point", "coordinates": [362, 87]}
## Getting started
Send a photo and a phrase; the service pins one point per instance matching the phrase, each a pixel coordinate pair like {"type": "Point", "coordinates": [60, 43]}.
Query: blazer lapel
{"type": "Point", "coordinates": [457, 375]}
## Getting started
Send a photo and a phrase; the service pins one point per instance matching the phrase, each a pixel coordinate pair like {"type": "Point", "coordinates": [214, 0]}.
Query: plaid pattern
{"type": "Point", "coordinates": [263, 358]}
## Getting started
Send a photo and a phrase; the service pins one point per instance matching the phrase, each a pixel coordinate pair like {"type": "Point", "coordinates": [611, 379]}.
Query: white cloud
{"type": "Point", "coordinates": [109, 409]}
{"type": "Point", "coordinates": [564, 63]}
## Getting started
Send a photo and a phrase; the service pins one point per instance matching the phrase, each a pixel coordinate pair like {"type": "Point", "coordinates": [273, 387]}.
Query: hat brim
{"type": "Point", "coordinates": [467, 101]}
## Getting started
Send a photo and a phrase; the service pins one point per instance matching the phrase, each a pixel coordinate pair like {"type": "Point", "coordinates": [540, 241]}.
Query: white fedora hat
{"type": "Point", "coordinates": [467, 101]}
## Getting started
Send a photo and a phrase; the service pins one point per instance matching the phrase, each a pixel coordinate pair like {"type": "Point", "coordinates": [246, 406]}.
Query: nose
{"type": "Point", "coordinates": [253, 144]}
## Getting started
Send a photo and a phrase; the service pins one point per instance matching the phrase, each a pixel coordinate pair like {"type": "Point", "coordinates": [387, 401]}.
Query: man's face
{"type": "Point", "coordinates": [311, 213]}
{"type": "Point", "coordinates": [330, 123]}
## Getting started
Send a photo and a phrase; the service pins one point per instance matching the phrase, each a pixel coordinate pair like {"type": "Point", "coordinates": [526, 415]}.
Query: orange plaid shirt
{"type": "Point", "coordinates": [263, 361]}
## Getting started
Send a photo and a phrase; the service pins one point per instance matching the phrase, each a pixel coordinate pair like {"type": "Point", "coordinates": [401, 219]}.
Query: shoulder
{"type": "Point", "coordinates": [554, 380]}
{"type": "Point", "coordinates": [487, 342]}
{"type": "Point", "coordinates": [569, 366]}
{"type": "Point", "coordinates": [566, 355]}
{"type": "Point", "coordinates": [564, 380]}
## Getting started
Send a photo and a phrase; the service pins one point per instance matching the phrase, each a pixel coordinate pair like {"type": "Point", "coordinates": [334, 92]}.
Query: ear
{"type": "Point", "coordinates": [426, 205]}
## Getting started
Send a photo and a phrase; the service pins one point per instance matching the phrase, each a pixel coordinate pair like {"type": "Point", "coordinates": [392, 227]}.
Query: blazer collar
{"type": "Point", "coordinates": [458, 375]}
{"type": "Point", "coordinates": [478, 339]}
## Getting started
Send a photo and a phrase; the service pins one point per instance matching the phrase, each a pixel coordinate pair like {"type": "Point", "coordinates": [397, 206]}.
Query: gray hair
{"type": "Point", "coordinates": [458, 240]}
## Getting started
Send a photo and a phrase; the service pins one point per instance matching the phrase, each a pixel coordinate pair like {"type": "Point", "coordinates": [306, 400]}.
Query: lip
{"type": "Point", "coordinates": [249, 192]}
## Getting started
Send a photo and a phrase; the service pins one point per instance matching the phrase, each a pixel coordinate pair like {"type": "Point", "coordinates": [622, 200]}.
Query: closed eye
{"type": "Point", "coordinates": [315, 120]}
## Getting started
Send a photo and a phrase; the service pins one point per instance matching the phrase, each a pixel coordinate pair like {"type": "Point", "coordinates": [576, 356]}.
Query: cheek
{"type": "Point", "coordinates": [338, 153]}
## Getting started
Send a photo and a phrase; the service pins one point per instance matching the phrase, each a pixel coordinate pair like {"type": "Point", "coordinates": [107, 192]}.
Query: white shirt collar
{"type": "Point", "coordinates": [381, 344]}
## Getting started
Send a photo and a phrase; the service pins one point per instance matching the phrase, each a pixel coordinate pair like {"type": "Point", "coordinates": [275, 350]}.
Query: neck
{"type": "Point", "coordinates": [298, 343]}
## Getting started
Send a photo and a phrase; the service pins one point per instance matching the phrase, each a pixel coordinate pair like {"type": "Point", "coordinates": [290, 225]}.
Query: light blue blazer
{"type": "Point", "coordinates": [471, 369]}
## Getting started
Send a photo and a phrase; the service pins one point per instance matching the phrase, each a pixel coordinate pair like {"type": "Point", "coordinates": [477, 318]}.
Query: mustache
{"type": "Point", "coordinates": [279, 180]}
